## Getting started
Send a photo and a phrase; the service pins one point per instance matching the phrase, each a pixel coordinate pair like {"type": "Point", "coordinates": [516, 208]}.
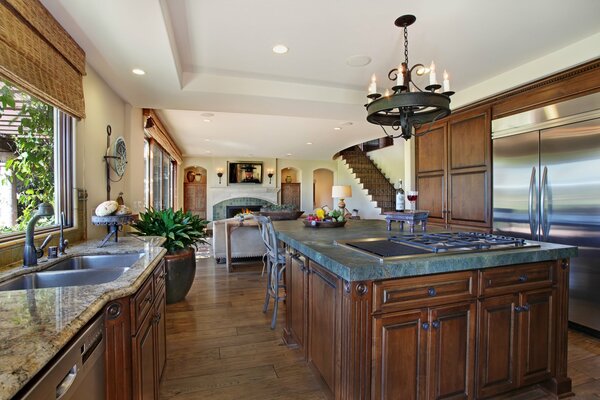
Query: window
{"type": "Point", "coordinates": [36, 156]}
{"type": "Point", "coordinates": [160, 177]}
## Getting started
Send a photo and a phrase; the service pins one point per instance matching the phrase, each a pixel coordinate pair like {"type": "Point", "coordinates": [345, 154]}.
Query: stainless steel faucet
{"type": "Point", "coordinates": [30, 253]}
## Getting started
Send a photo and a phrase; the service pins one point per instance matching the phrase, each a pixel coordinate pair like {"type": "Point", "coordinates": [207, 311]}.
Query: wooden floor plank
{"type": "Point", "coordinates": [220, 346]}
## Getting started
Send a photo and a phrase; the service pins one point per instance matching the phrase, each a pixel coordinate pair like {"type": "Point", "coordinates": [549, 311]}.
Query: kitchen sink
{"type": "Point", "coordinates": [50, 279]}
{"type": "Point", "coordinates": [99, 261]}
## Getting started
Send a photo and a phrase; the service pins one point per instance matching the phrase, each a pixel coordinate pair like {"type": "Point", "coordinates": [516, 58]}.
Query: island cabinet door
{"type": "Point", "coordinates": [497, 346]}
{"type": "Point", "coordinates": [324, 311]}
{"type": "Point", "coordinates": [452, 352]}
{"type": "Point", "coordinates": [144, 356]}
{"type": "Point", "coordinates": [400, 355]}
{"type": "Point", "coordinates": [297, 291]}
{"type": "Point", "coordinates": [536, 318]}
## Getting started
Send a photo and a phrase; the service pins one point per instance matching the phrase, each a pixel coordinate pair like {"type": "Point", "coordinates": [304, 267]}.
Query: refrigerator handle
{"type": "Point", "coordinates": [543, 205]}
{"type": "Point", "coordinates": [533, 220]}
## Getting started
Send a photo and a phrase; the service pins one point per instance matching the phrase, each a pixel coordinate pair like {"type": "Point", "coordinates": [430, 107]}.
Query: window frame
{"type": "Point", "coordinates": [64, 148]}
{"type": "Point", "coordinates": [149, 195]}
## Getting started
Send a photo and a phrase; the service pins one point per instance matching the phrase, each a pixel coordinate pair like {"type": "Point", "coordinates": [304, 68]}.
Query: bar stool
{"type": "Point", "coordinates": [275, 259]}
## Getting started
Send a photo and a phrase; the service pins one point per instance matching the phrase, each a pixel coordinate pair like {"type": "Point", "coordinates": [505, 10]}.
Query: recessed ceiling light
{"type": "Point", "coordinates": [206, 120]}
{"type": "Point", "coordinates": [288, 154]}
{"type": "Point", "coordinates": [207, 115]}
{"type": "Point", "coordinates": [207, 140]}
{"type": "Point", "coordinates": [308, 142]}
{"type": "Point", "coordinates": [207, 151]}
{"type": "Point", "coordinates": [337, 128]}
{"type": "Point", "coordinates": [358, 61]}
{"type": "Point", "coordinates": [280, 49]}
{"type": "Point", "coordinates": [138, 71]}
{"type": "Point", "coordinates": [346, 124]}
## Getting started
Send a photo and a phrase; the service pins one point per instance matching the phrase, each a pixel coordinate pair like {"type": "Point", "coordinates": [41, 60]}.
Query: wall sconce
{"type": "Point", "coordinates": [270, 175]}
{"type": "Point", "coordinates": [220, 174]}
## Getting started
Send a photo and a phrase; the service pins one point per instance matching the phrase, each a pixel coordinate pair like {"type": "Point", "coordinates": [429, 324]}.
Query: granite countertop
{"type": "Point", "coordinates": [37, 324]}
{"type": "Point", "coordinates": [318, 245]}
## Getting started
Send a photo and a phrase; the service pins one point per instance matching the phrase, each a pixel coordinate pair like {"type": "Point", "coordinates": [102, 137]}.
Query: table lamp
{"type": "Point", "coordinates": [341, 192]}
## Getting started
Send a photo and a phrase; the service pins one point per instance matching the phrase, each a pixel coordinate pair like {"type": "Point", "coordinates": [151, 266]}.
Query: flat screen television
{"type": "Point", "coordinates": [245, 172]}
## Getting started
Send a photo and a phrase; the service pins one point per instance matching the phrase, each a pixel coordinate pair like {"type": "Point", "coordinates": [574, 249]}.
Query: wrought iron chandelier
{"type": "Point", "coordinates": [408, 106]}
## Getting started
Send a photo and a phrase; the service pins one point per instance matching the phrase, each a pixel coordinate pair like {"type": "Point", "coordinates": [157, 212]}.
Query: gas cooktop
{"type": "Point", "coordinates": [414, 245]}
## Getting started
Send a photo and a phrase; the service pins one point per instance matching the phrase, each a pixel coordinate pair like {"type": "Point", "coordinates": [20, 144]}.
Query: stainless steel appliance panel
{"type": "Point", "coordinates": [570, 209]}
{"type": "Point", "coordinates": [516, 177]}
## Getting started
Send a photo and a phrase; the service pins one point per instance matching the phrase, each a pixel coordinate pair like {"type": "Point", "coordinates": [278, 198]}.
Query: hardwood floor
{"type": "Point", "coordinates": [219, 346]}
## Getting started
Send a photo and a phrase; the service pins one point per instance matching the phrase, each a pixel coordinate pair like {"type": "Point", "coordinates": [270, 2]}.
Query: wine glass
{"type": "Point", "coordinates": [412, 197]}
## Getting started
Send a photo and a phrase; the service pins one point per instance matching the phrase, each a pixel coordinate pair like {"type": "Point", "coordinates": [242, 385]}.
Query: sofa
{"type": "Point", "coordinates": [245, 239]}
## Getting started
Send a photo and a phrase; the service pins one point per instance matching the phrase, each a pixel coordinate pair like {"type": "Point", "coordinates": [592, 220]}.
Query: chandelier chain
{"type": "Point", "coordinates": [406, 45]}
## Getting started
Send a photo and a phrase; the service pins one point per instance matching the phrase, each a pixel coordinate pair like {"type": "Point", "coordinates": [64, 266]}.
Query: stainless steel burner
{"type": "Point", "coordinates": [419, 245]}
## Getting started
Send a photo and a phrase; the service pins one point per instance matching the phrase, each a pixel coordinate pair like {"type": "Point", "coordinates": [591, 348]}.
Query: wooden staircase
{"type": "Point", "coordinates": [371, 177]}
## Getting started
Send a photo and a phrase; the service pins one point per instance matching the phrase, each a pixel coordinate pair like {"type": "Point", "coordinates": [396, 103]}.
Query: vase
{"type": "Point", "coordinates": [181, 270]}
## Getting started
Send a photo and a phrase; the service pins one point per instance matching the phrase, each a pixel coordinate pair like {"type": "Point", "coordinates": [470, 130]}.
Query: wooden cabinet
{"type": "Point", "coordinates": [297, 292]}
{"type": "Point", "coordinates": [425, 353]}
{"type": "Point", "coordinates": [136, 341]}
{"type": "Point", "coordinates": [324, 294]}
{"type": "Point", "coordinates": [457, 335]}
{"type": "Point", "coordinates": [290, 194]}
{"type": "Point", "coordinates": [194, 198]}
{"type": "Point", "coordinates": [453, 169]}
{"type": "Point", "coordinates": [516, 330]}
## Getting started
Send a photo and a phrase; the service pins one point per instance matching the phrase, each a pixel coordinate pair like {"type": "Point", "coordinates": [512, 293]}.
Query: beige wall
{"type": "Point", "coordinates": [323, 182]}
{"type": "Point", "coordinates": [104, 107]}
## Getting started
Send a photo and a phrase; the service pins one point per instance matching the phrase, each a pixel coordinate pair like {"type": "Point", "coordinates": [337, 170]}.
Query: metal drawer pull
{"type": "Point", "coordinates": [523, 278]}
{"type": "Point", "coordinates": [526, 307]}
{"type": "Point", "coordinates": [425, 325]}
{"type": "Point", "coordinates": [435, 324]}
{"type": "Point", "coordinates": [518, 309]}
{"type": "Point", "coordinates": [431, 291]}
{"type": "Point", "coordinates": [66, 383]}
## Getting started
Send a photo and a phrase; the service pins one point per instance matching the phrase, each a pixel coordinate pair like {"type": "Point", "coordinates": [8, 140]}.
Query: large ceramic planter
{"type": "Point", "coordinates": [181, 269]}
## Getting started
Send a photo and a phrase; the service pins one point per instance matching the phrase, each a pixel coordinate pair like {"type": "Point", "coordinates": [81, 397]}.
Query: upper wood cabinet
{"type": "Point", "coordinates": [453, 168]}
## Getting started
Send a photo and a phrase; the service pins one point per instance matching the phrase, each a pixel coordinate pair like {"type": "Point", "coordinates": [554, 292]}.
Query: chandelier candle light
{"type": "Point", "coordinates": [408, 106]}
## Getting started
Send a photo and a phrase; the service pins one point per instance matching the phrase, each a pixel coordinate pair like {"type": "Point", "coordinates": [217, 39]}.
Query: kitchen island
{"type": "Point", "coordinates": [468, 325]}
{"type": "Point", "coordinates": [37, 323]}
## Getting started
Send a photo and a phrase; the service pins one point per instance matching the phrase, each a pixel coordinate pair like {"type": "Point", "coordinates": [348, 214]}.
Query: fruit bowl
{"type": "Point", "coordinates": [323, 224]}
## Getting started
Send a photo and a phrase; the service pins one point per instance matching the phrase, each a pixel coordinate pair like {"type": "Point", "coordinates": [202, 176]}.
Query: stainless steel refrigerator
{"type": "Point", "coordinates": [546, 179]}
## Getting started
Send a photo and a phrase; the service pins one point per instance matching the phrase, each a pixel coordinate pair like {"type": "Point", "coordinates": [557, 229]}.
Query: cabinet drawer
{"type": "Point", "coordinates": [141, 304]}
{"type": "Point", "coordinates": [411, 293]}
{"type": "Point", "coordinates": [159, 277]}
{"type": "Point", "coordinates": [515, 278]}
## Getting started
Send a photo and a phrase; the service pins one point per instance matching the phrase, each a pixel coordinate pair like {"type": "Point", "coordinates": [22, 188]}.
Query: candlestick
{"type": "Point", "coordinates": [373, 85]}
{"type": "Point", "coordinates": [432, 76]}
{"type": "Point", "coordinates": [400, 78]}
{"type": "Point", "coordinates": [446, 82]}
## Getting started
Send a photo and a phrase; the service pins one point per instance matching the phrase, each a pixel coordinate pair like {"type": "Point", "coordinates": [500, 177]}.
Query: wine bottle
{"type": "Point", "coordinates": [399, 197]}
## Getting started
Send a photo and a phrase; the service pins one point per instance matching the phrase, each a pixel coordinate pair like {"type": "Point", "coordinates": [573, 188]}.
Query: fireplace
{"type": "Point", "coordinates": [232, 211]}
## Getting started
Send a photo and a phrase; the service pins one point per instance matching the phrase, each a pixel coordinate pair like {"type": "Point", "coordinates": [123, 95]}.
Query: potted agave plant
{"type": "Point", "coordinates": [182, 232]}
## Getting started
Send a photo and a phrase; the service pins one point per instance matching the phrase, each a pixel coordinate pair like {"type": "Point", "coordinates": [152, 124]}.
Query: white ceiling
{"type": "Point", "coordinates": [215, 56]}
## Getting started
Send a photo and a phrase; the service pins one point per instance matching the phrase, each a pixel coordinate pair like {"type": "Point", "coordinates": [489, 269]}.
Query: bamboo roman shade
{"type": "Point", "coordinates": [38, 55]}
{"type": "Point", "coordinates": [157, 130]}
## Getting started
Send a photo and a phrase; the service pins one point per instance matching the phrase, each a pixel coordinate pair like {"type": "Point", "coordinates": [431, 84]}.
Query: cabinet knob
{"type": "Point", "coordinates": [148, 298]}
{"type": "Point", "coordinates": [431, 291]}
{"type": "Point", "coordinates": [435, 324]}
{"type": "Point", "coordinates": [523, 278]}
{"type": "Point", "coordinates": [525, 307]}
{"type": "Point", "coordinates": [518, 309]}
{"type": "Point", "coordinates": [425, 325]}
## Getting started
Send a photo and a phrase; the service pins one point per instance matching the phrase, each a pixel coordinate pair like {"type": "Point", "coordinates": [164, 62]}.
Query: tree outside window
{"type": "Point", "coordinates": [27, 162]}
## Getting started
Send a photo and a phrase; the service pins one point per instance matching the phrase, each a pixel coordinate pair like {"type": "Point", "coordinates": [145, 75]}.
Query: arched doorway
{"type": "Point", "coordinates": [322, 184]}
{"type": "Point", "coordinates": [194, 191]}
{"type": "Point", "coordinates": [291, 190]}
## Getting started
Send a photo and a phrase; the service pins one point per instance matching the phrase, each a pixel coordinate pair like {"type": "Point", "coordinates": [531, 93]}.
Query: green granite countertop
{"type": "Point", "coordinates": [318, 245]}
{"type": "Point", "coordinates": [37, 324]}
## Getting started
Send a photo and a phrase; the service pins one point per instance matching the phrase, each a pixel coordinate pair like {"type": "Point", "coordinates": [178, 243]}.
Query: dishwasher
{"type": "Point", "coordinates": [78, 372]}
